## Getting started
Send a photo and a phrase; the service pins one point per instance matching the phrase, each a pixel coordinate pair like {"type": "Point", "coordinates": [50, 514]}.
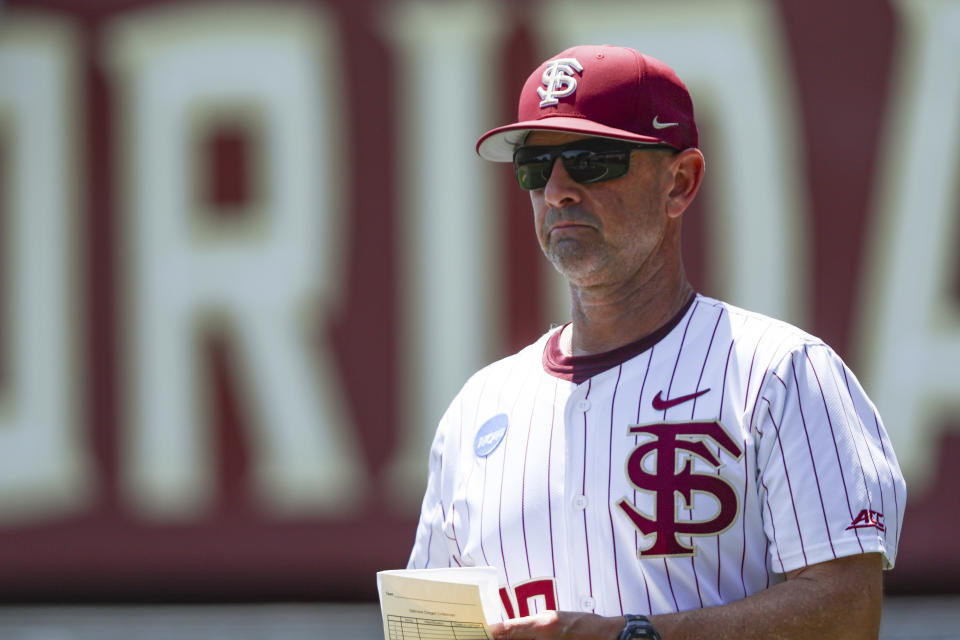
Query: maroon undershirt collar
{"type": "Point", "coordinates": [578, 369]}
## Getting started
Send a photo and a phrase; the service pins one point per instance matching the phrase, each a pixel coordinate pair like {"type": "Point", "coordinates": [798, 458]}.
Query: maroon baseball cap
{"type": "Point", "coordinates": [607, 91]}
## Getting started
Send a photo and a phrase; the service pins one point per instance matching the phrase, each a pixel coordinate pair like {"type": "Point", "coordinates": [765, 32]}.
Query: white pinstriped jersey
{"type": "Point", "coordinates": [688, 470]}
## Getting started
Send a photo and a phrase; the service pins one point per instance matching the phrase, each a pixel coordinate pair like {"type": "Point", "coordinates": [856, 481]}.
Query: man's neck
{"type": "Point", "coordinates": [603, 323]}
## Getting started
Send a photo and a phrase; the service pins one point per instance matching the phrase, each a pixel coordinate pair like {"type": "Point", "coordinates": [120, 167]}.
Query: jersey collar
{"type": "Point", "coordinates": [578, 369]}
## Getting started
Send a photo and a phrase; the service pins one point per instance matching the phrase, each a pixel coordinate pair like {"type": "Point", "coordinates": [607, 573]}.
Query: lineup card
{"type": "Point", "coordinates": [438, 604]}
{"type": "Point", "coordinates": [404, 628]}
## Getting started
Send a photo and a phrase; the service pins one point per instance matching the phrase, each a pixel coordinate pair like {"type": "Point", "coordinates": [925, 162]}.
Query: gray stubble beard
{"type": "Point", "coordinates": [568, 258]}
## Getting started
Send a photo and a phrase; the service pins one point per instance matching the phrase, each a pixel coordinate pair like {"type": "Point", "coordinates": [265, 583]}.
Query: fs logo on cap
{"type": "Point", "coordinates": [559, 80]}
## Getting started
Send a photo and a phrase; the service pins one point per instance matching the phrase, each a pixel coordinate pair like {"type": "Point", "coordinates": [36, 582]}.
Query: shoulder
{"type": "Point", "coordinates": [788, 363]}
{"type": "Point", "coordinates": [487, 391]}
{"type": "Point", "coordinates": [752, 330]}
{"type": "Point", "coordinates": [495, 375]}
{"type": "Point", "coordinates": [768, 352]}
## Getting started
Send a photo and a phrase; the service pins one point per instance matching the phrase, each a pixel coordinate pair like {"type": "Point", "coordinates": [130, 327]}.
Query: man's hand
{"type": "Point", "coordinates": [559, 625]}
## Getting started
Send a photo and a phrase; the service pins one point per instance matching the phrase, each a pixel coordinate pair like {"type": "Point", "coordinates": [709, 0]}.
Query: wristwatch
{"type": "Point", "coordinates": [638, 628]}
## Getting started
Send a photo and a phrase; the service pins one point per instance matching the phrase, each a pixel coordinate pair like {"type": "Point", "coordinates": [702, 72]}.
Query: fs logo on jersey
{"type": "Point", "coordinates": [559, 80]}
{"type": "Point", "coordinates": [671, 440]}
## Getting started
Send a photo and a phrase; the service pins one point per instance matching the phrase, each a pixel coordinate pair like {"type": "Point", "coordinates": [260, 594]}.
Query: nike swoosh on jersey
{"type": "Point", "coordinates": [659, 404]}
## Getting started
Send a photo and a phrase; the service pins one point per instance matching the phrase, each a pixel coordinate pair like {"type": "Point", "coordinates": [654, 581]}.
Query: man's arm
{"type": "Point", "coordinates": [839, 599]}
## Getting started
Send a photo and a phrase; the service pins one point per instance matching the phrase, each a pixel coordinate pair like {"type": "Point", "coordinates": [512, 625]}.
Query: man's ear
{"type": "Point", "coordinates": [687, 169]}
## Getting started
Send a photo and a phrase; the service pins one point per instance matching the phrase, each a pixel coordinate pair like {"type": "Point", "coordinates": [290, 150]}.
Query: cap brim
{"type": "Point", "coordinates": [498, 144]}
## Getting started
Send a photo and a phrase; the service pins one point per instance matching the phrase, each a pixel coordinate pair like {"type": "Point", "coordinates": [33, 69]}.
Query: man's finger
{"type": "Point", "coordinates": [513, 630]}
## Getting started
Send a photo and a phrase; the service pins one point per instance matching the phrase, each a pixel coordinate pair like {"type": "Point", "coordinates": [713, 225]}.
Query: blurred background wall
{"type": "Point", "coordinates": [247, 255]}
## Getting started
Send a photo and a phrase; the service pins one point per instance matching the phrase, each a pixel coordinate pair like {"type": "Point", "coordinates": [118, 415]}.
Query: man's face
{"type": "Point", "coordinates": [605, 233]}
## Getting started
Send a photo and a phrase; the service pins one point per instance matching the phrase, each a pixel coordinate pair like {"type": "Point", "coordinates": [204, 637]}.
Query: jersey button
{"type": "Point", "coordinates": [583, 405]}
{"type": "Point", "coordinates": [580, 502]}
{"type": "Point", "coordinates": [587, 603]}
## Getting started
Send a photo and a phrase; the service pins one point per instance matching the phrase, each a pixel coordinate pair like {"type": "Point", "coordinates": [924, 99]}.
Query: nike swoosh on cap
{"type": "Point", "coordinates": [663, 125]}
{"type": "Point", "coordinates": [659, 404]}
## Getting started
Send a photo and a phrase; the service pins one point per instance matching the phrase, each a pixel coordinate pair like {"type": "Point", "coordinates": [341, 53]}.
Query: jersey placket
{"type": "Point", "coordinates": [577, 415]}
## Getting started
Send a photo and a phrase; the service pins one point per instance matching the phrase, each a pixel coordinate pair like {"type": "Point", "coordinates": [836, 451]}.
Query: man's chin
{"type": "Point", "coordinates": [579, 273]}
{"type": "Point", "coordinates": [569, 253]}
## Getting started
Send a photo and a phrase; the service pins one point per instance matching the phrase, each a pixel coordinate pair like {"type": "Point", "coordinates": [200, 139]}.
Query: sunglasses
{"type": "Point", "coordinates": [586, 161]}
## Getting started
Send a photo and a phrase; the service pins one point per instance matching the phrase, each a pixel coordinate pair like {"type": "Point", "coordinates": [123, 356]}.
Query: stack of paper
{"type": "Point", "coordinates": [438, 604]}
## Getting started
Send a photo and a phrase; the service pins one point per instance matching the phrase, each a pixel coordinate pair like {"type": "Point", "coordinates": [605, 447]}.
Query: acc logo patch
{"type": "Point", "coordinates": [490, 435]}
{"type": "Point", "coordinates": [868, 518]}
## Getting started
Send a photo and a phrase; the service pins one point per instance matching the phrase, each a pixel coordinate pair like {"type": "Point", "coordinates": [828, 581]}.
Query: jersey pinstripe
{"type": "Point", "coordinates": [606, 491]}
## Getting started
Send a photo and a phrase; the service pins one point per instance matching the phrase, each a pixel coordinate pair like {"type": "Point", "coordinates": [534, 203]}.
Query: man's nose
{"type": "Point", "coordinates": [561, 190]}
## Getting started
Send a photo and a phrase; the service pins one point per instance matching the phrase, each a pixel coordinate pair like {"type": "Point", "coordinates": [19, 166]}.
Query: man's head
{"type": "Point", "coordinates": [609, 232]}
{"type": "Point", "coordinates": [606, 144]}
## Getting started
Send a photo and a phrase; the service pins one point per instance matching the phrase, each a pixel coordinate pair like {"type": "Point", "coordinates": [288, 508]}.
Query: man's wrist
{"type": "Point", "coordinates": [638, 628]}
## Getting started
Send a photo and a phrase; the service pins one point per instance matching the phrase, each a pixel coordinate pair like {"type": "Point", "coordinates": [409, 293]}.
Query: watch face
{"type": "Point", "coordinates": [639, 630]}
{"type": "Point", "coordinates": [636, 632]}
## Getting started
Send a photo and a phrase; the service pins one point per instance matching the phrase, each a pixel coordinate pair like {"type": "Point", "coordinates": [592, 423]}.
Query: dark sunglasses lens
{"type": "Point", "coordinates": [595, 166]}
{"type": "Point", "coordinates": [533, 166]}
{"type": "Point", "coordinates": [534, 175]}
{"type": "Point", "coordinates": [586, 162]}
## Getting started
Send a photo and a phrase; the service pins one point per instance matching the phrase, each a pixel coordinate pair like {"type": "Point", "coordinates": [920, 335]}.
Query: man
{"type": "Point", "coordinates": [666, 465]}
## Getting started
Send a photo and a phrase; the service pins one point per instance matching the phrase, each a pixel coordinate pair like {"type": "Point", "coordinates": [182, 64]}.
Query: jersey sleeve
{"type": "Point", "coordinates": [829, 482]}
{"type": "Point", "coordinates": [430, 549]}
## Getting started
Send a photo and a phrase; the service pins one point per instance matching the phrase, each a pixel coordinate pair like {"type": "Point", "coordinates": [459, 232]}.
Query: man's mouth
{"type": "Point", "coordinates": [569, 226]}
